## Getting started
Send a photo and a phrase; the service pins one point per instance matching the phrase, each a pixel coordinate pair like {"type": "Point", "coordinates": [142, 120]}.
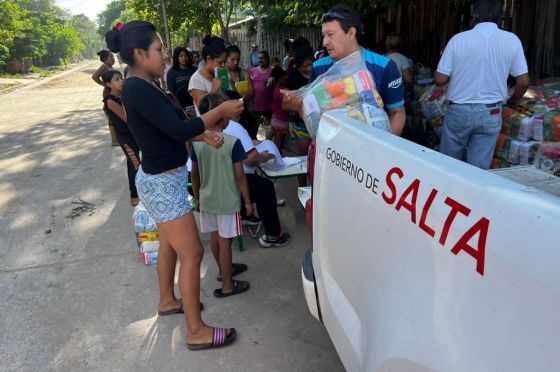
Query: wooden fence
{"type": "Point", "coordinates": [427, 25]}
{"type": "Point", "coordinates": [273, 42]}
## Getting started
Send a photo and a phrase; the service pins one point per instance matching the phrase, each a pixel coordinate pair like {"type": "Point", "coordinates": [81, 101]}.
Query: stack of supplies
{"type": "Point", "coordinates": [529, 127]}
{"type": "Point", "coordinates": [147, 235]}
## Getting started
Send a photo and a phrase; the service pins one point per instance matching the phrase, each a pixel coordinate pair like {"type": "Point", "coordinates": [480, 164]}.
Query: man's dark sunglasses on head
{"type": "Point", "coordinates": [331, 16]}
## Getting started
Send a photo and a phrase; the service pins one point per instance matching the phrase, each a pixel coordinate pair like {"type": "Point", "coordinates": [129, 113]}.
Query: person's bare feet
{"type": "Point", "coordinates": [134, 201]}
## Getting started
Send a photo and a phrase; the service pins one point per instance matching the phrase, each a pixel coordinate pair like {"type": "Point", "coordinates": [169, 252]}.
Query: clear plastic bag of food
{"type": "Point", "coordinates": [434, 102]}
{"type": "Point", "coordinates": [548, 158]}
{"type": "Point", "coordinates": [348, 86]}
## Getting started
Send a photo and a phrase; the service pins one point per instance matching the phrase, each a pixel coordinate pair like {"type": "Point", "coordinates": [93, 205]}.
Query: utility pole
{"type": "Point", "coordinates": [165, 24]}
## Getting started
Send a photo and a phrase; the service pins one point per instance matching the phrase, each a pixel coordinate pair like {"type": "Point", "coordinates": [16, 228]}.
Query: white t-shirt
{"type": "Point", "coordinates": [199, 82]}
{"type": "Point", "coordinates": [400, 60]}
{"type": "Point", "coordinates": [236, 130]}
{"type": "Point", "coordinates": [479, 62]}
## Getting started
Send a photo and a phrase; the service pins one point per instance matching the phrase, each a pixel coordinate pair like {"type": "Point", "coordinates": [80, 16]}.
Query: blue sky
{"type": "Point", "coordinates": [88, 7]}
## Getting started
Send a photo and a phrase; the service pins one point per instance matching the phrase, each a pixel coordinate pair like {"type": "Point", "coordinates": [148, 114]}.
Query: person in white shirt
{"type": "Point", "coordinates": [393, 43]}
{"type": "Point", "coordinates": [477, 64]}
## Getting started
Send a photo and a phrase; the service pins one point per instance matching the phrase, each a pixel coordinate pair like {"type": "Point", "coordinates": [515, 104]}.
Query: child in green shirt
{"type": "Point", "coordinates": [218, 181]}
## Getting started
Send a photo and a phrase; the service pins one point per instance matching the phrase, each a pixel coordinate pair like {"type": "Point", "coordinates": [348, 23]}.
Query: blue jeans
{"type": "Point", "coordinates": [470, 132]}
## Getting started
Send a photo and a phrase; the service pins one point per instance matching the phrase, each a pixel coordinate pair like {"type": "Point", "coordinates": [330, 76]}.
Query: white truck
{"type": "Point", "coordinates": [423, 263]}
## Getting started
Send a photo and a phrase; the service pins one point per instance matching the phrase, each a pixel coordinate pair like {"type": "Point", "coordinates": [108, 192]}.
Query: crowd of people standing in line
{"type": "Point", "coordinates": [220, 138]}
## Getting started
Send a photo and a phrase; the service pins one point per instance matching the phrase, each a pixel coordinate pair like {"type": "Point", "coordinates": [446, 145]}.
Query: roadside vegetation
{"type": "Point", "coordinates": [38, 37]}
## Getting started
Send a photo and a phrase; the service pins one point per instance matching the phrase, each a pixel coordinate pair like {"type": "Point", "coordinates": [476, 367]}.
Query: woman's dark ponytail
{"type": "Point", "coordinates": [125, 38]}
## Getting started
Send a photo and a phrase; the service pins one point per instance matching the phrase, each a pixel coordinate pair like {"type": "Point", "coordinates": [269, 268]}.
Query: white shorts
{"type": "Point", "coordinates": [227, 225]}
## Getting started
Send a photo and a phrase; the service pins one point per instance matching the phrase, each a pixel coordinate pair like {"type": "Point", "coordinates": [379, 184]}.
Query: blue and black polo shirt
{"type": "Point", "coordinates": [386, 76]}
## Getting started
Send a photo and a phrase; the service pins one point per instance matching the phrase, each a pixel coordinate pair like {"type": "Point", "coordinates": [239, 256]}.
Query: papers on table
{"type": "Point", "coordinates": [278, 163]}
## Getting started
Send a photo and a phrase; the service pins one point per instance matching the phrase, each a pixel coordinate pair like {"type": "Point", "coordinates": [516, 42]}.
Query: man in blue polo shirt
{"type": "Point", "coordinates": [342, 31]}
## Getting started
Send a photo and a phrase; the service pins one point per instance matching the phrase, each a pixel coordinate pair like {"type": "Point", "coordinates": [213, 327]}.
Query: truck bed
{"type": "Point", "coordinates": [532, 177]}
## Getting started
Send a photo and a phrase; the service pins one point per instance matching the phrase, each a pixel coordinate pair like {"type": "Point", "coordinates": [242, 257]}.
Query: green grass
{"type": "Point", "coordinates": [10, 76]}
{"type": "Point", "coordinates": [33, 70]}
{"type": "Point", "coordinates": [7, 87]}
{"type": "Point", "coordinates": [44, 73]}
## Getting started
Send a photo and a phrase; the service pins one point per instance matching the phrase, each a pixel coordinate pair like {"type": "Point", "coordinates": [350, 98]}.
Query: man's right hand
{"type": "Point", "coordinates": [290, 101]}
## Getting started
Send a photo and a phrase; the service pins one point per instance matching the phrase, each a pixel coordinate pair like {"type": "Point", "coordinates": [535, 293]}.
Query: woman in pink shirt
{"type": "Point", "coordinates": [260, 76]}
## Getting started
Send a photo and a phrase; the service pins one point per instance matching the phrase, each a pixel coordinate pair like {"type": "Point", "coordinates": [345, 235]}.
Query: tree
{"type": "Point", "coordinates": [187, 15]}
{"type": "Point", "coordinates": [87, 32]}
{"type": "Point", "coordinates": [106, 19]}
{"type": "Point", "coordinates": [11, 27]}
{"type": "Point", "coordinates": [64, 43]}
{"type": "Point", "coordinates": [47, 34]}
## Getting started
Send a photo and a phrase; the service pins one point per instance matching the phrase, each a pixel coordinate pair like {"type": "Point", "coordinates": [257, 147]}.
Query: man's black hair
{"type": "Point", "coordinates": [346, 17]}
{"type": "Point", "coordinates": [487, 11]}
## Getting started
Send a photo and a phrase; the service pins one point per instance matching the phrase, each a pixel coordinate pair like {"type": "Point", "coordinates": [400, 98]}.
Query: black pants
{"type": "Point", "coordinates": [131, 150]}
{"type": "Point", "coordinates": [262, 193]}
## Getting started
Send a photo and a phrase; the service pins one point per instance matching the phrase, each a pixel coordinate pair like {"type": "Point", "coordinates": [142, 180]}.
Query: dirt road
{"type": "Point", "coordinates": [74, 294]}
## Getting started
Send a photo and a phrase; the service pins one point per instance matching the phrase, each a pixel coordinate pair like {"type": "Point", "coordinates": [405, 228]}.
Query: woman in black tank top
{"type": "Point", "coordinates": [161, 129]}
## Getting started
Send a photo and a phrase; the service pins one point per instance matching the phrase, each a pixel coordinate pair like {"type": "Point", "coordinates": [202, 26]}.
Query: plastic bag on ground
{"type": "Point", "coordinates": [142, 220]}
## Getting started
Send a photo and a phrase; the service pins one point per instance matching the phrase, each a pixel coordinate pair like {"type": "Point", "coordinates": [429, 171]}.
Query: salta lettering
{"type": "Point", "coordinates": [408, 202]}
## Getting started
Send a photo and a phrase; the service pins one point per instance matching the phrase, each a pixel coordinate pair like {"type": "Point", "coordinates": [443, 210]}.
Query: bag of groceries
{"type": "Point", "coordinates": [434, 102]}
{"type": "Point", "coordinates": [347, 86]}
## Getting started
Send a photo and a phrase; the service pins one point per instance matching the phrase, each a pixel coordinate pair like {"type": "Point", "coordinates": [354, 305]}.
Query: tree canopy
{"type": "Point", "coordinates": [187, 16]}
{"type": "Point", "coordinates": [108, 17]}
{"type": "Point", "coordinates": [40, 32]}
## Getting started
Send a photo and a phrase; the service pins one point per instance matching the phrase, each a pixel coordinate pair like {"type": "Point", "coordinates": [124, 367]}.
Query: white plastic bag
{"type": "Point", "coordinates": [142, 220]}
{"type": "Point", "coordinates": [349, 86]}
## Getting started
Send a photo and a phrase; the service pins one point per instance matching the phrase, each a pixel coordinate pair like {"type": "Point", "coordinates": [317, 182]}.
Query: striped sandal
{"type": "Point", "coordinates": [220, 337]}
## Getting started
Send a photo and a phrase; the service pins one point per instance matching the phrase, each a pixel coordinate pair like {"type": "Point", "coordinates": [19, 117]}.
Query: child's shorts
{"type": "Point", "coordinates": [227, 225]}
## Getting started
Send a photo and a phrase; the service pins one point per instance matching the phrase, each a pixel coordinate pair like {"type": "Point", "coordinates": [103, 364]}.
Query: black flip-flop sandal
{"type": "Point", "coordinates": [238, 268]}
{"type": "Point", "coordinates": [178, 310]}
{"type": "Point", "coordinates": [220, 337]}
{"type": "Point", "coordinates": [238, 288]}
